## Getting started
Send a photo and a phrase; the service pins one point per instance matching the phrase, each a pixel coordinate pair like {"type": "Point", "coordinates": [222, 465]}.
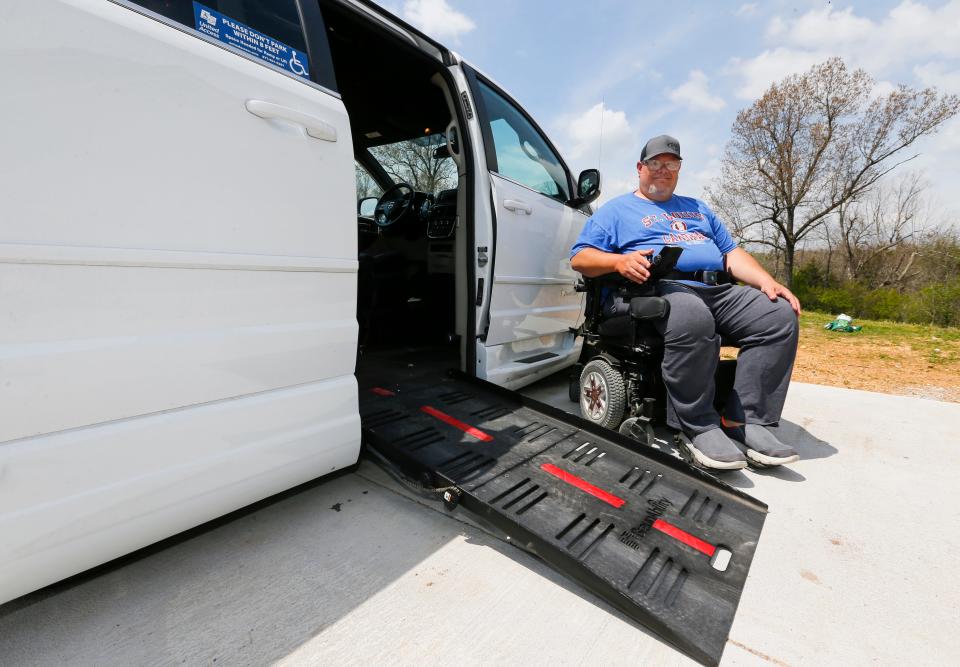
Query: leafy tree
{"type": "Point", "coordinates": [813, 143]}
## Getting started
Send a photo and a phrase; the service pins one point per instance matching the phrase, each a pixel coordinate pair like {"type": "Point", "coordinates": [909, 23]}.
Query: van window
{"type": "Point", "coordinates": [278, 20]}
{"type": "Point", "coordinates": [422, 162]}
{"type": "Point", "coordinates": [366, 186]}
{"type": "Point", "coordinates": [522, 153]}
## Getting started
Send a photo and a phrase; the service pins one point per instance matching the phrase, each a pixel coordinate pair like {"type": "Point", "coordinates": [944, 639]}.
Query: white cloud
{"type": "Point", "coordinates": [940, 154]}
{"type": "Point", "coordinates": [946, 79]}
{"type": "Point", "coordinates": [940, 161]}
{"type": "Point", "coordinates": [882, 89]}
{"type": "Point", "coordinates": [747, 9]}
{"type": "Point", "coordinates": [696, 180]}
{"type": "Point", "coordinates": [693, 94]}
{"type": "Point", "coordinates": [776, 27]}
{"type": "Point", "coordinates": [437, 18]}
{"type": "Point", "coordinates": [825, 28]}
{"type": "Point", "coordinates": [758, 73]}
{"type": "Point", "coordinates": [910, 32]}
{"type": "Point", "coordinates": [585, 132]}
{"type": "Point", "coordinates": [581, 137]}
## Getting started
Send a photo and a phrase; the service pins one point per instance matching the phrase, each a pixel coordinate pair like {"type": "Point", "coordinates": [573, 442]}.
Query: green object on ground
{"type": "Point", "coordinates": [842, 323]}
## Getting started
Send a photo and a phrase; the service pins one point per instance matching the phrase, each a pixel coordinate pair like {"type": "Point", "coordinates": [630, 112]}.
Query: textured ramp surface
{"type": "Point", "coordinates": [634, 525]}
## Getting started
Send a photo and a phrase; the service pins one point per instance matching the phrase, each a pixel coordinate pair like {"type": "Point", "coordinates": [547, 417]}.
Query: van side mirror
{"type": "Point", "coordinates": [588, 188]}
{"type": "Point", "coordinates": [366, 207]}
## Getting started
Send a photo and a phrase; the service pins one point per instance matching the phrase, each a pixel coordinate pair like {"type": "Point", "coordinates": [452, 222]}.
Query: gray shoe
{"type": "Point", "coordinates": [712, 449]}
{"type": "Point", "coordinates": [762, 447]}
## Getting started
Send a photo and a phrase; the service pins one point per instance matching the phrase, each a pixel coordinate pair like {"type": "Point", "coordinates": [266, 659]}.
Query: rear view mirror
{"type": "Point", "coordinates": [366, 206]}
{"type": "Point", "coordinates": [588, 187]}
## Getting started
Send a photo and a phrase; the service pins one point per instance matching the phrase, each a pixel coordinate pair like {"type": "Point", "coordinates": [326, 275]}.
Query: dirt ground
{"type": "Point", "coordinates": [889, 358]}
{"type": "Point", "coordinates": [889, 369]}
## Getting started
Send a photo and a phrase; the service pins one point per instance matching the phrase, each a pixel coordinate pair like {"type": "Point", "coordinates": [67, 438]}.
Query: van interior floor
{"type": "Point", "coordinates": [389, 365]}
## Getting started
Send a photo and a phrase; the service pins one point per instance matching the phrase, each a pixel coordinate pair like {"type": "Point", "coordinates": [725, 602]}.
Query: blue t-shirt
{"type": "Point", "coordinates": [629, 222]}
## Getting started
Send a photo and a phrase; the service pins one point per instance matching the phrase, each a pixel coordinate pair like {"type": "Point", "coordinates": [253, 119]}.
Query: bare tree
{"type": "Point", "coordinates": [874, 233]}
{"type": "Point", "coordinates": [415, 162]}
{"type": "Point", "coordinates": [813, 143]}
{"type": "Point", "coordinates": [366, 186]}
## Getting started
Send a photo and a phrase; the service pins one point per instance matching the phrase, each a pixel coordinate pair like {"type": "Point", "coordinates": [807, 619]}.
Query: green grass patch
{"type": "Point", "coordinates": [939, 345]}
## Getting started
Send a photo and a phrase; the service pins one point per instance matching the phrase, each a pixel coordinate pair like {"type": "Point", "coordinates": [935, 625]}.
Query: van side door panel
{"type": "Point", "coordinates": [178, 280]}
{"type": "Point", "coordinates": [533, 292]}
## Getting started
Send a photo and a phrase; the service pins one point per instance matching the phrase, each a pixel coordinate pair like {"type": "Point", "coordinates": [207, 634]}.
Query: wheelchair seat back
{"type": "Point", "coordinates": [634, 326]}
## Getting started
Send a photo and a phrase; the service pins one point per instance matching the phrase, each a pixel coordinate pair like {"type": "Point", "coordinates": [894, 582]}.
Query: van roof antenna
{"type": "Point", "coordinates": [600, 153]}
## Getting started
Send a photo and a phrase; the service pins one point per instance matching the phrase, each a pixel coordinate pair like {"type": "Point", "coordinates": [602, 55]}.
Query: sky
{"type": "Point", "coordinates": [685, 68]}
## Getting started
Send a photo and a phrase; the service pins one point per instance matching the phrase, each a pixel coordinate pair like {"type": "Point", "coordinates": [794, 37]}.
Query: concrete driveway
{"type": "Point", "coordinates": [856, 565]}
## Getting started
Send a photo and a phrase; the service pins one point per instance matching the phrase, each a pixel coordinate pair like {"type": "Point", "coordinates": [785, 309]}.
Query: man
{"type": "Point", "coordinates": [760, 316]}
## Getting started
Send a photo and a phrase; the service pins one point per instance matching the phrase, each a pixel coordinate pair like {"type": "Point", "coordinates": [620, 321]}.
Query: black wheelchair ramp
{"type": "Point", "coordinates": [667, 545]}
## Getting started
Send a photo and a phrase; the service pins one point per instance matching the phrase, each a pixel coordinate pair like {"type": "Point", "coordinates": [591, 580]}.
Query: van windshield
{"type": "Point", "coordinates": [422, 162]}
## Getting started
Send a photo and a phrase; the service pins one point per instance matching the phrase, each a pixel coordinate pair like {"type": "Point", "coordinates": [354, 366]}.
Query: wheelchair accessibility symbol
{"type": "Point", "coordinates": [296, 66]}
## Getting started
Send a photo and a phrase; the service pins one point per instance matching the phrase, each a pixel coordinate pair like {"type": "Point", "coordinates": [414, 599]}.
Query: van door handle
{"type": "Point", "coordinates": [517, 206]}
{"type": "Point", "coordinates": [316, 128]}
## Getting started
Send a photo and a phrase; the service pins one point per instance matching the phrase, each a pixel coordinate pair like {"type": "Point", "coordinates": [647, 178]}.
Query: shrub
{"type": "Point", "coordinates": [936, 304]}
{"type": "Point", "coordinates": [883, 304]}
{"type": "Point", "coordinates": [810, 283]}
{"type": "Point", "coordinates": [849, 299]}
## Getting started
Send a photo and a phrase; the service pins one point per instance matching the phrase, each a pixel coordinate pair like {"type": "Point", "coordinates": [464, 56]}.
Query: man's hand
{"type": "Point", "coordinates": [743, 267]}
{"type": "Point", "coordinates": [773, 289]}
{"type": "Point", "coordinates": [635, 266]}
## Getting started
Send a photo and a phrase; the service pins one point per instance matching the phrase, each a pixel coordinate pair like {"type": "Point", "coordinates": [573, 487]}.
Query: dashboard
{"type": "Point", "coordinates": [433, 217]}
{"type": "Point", "coordinates": [440, 214]}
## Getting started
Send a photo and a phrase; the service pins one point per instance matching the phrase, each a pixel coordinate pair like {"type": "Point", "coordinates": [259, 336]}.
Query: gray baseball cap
{"type": "Point", "coordinates": [662, 144]}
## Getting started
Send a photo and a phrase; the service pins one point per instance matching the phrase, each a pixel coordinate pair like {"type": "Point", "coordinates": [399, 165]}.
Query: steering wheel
{"type": "Point", "coordinates": [393, 204]}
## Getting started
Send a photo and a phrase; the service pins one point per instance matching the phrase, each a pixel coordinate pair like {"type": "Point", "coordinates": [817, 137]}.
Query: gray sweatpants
{"type": "Point", "coordinates": [767, 333]}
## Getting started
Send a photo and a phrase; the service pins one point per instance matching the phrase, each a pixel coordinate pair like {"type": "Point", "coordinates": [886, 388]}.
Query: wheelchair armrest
{"type": "Point", "coordinates": [618, 284]}
{"type": "Point", "coordinates": [645, 308]}
{"type": "Point", "coordinates": [607, 280]}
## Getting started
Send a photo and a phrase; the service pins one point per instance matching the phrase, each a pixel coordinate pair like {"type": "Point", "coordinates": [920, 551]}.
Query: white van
{"type": "Point", "coordinates": [180, 251]}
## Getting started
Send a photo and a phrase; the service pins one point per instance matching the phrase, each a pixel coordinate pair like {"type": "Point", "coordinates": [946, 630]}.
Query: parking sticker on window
{"type": "Point", "coordinates": [225, 29]}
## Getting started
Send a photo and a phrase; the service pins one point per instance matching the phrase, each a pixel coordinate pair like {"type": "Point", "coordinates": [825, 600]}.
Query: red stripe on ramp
{"type": "Point", "coordinates": [583, 485]}
{"type": "Point", "coordinates": [684, 536]}
{"type": "Point", "coordinates": [453, 421]}
{"type": "Point", "coordinates": [380, 391]}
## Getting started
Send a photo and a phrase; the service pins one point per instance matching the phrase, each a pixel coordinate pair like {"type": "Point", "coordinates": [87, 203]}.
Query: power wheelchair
{"type": "Point", "coordinates": [617, 380]}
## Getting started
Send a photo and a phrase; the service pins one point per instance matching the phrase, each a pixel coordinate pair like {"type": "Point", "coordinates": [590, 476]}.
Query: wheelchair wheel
{"type": "Point", "coordinates": [603, 398]}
